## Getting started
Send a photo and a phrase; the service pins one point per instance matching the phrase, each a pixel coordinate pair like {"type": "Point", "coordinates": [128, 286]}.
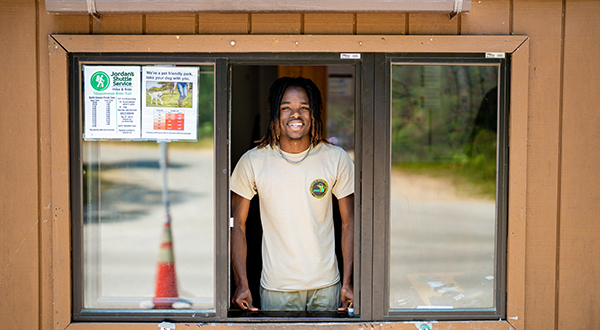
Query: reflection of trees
{"type": "Point", "coordinates": [434, 111]}
{"type": "Point", "coordinates": [434, 108]}
{"type": "Point", "coordinates": [206, 105]}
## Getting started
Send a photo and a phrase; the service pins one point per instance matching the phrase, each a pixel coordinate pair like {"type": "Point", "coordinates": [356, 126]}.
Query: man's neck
{"type": "Point", "coordinates": [294, 146]}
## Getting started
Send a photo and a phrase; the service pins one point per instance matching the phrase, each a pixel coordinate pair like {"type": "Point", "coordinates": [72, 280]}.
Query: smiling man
{"type": "Point", "coordinates": [295, 172]}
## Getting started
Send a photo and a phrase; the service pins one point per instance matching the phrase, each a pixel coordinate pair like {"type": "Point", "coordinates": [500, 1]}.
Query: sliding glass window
{"type": "Point", "coordinates": [446, 187]}
{"type": "Point", "coordinates": [144, 160]}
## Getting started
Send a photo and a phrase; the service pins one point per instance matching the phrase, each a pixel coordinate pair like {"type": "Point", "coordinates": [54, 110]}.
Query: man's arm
{"type": "Point", "coordinates": [347, 213]}
{"type": "Point", "coordinates": [239, 252]}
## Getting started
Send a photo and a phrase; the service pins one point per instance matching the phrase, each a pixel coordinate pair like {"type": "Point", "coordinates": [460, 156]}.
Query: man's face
{"type": "Point", "coordinates": [294, 114]}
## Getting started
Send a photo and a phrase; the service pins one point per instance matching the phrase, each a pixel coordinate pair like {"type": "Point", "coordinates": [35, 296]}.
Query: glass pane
{"type": "Point", "coordinates": [339, 110]}
{"type": "Point", "coordinates": [148, 211]}
{"type": "Point", "coordinates": [443, 187]}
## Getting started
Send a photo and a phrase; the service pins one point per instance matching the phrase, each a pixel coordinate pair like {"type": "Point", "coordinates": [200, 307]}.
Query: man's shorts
{"type": "Point", "coordinates": [324, 299]}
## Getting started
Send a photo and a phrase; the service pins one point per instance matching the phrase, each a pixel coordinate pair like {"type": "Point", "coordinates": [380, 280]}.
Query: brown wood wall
{"type": "Point", "coordinates": [562, 256]}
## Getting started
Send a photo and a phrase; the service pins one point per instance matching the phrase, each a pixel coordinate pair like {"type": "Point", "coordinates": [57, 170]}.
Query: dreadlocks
{"type": "Point", "coordinates": [276, 94]}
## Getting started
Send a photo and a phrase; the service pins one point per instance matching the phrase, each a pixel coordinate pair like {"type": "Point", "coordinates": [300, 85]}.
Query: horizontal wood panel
{"type": "Point", "coordinates": [276, 23]}
{"type": "Point", "coordinates": [285, 43]}
{"type": "Point", "coordinates": [438, 24]}
{"type": "Point", "coordinates": [223, 23]}
{"type": "Point", "coordinates": [66, 23]}
{"type": "Point", "coordinates": [171, 24]}
{"type": "Point", "coordinates": [328, 23]}
{"type": "Point", "coordinates": [381, 23]}
{"type": "Point", "coordinates": [118, 24]}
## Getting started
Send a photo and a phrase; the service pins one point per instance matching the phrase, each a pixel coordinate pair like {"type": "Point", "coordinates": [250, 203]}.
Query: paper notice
{"type": "Point", "coordinates": [170, 103]}
{"type": "Point", "coordinates": [111, 102]}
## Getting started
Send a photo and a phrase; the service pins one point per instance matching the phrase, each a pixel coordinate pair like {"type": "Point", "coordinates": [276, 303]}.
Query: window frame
{"type": "Point", "coordinates": [76, 145]}
{"type": "Point", "coordinates": [317, 59]}
{"type": "Point", "coordinates": [301, 59]}
{"type": "Point", "coordinates": [61, 47]}
{"type": "Point", "coordinates": [382, 179]}
{"type": "Point", "coordinates": [222, 64]}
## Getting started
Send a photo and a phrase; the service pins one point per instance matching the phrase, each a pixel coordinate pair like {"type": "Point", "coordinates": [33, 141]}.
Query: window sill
{"type": "Point", "coordinates": [490, 325]}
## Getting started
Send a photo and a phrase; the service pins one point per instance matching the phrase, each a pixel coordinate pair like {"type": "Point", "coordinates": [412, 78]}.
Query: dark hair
{"type": "Point", "coordinates": [315, 102]}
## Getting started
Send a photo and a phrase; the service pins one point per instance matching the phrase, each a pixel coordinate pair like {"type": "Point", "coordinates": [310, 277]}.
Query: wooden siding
{"type": "Point", "coordinates": [19, 168]}
{"type": "Point", "coordinates": [394, 24]}
{"type": "Point", "coordinates": [560, 257]}
{"type": "Point", "coordinates": [224, 23]}
{"type": "Point", "coordinates": [579, 213]}
{"type": "Point", "coordinates": [543, 24]}
{"type": "Point", "coordinates": [277, 23]}
{"type": "Point", "coordinates": [173, 24]}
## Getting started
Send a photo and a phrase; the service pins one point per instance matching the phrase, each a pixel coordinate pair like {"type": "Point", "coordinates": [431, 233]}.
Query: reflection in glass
{"type": "Point", "coordinates": [443, 187]}
{"type": "Point", "coordinates": [339, 110]}
{"type": "Point", "coordinates": [125, 217]}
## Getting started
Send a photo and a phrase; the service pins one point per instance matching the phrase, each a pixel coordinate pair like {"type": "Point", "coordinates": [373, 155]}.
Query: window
{"type": "Point", "coordinates": [410, 119]}
{"type": "Point", "coordinates": [446, 171]}
{"type": "Point", "coordinates": [146, 163]}
{"type": "Point", "coordinates": [250, 85]}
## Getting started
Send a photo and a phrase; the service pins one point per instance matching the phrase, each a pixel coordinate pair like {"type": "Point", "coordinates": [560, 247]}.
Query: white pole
{"type": "Point", "coordinates": [163, 172]}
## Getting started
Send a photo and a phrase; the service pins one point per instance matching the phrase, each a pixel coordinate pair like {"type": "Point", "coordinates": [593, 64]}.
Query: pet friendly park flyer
{"type": "Point", "coordinates": [170, 103]}
{"type": "Point", "coordinates": [111, 102]}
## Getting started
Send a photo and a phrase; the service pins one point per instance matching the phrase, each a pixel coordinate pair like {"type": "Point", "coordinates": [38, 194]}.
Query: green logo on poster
{"type": "Point", "coordinates": [100, 81]}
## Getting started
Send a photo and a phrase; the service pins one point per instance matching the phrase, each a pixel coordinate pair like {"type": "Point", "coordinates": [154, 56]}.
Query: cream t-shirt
{"type": "Point", "coordinates": [298, 247]}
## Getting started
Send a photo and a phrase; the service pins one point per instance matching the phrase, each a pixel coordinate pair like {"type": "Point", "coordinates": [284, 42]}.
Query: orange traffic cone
{"type": "Point", "coordinates": [166, 281]}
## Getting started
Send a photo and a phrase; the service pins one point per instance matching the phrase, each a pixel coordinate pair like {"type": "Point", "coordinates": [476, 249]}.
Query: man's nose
{"type": "Point", "coordinates": [295, 112]}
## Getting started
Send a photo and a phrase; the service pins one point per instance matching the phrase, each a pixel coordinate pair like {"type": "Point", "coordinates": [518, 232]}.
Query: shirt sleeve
{"type": "Point", "coordinates": [242, 179]}
{"type": "Point", "coordinates": [344, 184]}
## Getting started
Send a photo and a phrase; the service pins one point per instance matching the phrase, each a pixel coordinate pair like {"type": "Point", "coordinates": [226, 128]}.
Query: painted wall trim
{"type": "Point", "coordinates": [288, 43]}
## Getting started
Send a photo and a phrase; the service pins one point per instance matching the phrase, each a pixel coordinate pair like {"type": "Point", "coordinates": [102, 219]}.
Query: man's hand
{"type": "Point", "coordinates": [243, 299]}
{"type": "Point", "coordinates": [347, 297]}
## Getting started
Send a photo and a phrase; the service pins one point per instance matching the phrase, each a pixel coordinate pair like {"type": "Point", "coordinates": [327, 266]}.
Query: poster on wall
{"type": "Point", "coordinates": [111, 102]}
{"type": "Point", "coordinates": [170, 103]}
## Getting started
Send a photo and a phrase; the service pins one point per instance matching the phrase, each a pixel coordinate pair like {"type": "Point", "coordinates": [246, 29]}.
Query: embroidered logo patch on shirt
{"type": "Point", "coordinates": [318, 188]}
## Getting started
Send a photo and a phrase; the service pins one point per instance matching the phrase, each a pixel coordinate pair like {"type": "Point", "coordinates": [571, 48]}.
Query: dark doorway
{"type": "Point", "coordinates": [250, 119]}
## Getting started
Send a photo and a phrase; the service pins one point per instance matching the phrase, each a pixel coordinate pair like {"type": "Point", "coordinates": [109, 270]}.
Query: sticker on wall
{"type": "Point", "coordinates": [111, 102]}
{"type": "Point", "coordinates": [170, 103]}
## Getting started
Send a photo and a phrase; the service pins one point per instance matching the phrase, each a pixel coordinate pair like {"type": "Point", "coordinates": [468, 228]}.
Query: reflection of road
{"type": "Point", "coordinates": [132, 224]}
{"type": "Point", "coordinates": [435, 230]}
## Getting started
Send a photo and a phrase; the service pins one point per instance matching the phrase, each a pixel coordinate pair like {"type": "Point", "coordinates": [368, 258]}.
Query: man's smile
{"type": "Point", "coordinates": [295, 125]}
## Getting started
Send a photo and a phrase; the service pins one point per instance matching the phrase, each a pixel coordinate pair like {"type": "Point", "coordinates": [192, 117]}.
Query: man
{"type": "Point", "coordinates": [295, 172]}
